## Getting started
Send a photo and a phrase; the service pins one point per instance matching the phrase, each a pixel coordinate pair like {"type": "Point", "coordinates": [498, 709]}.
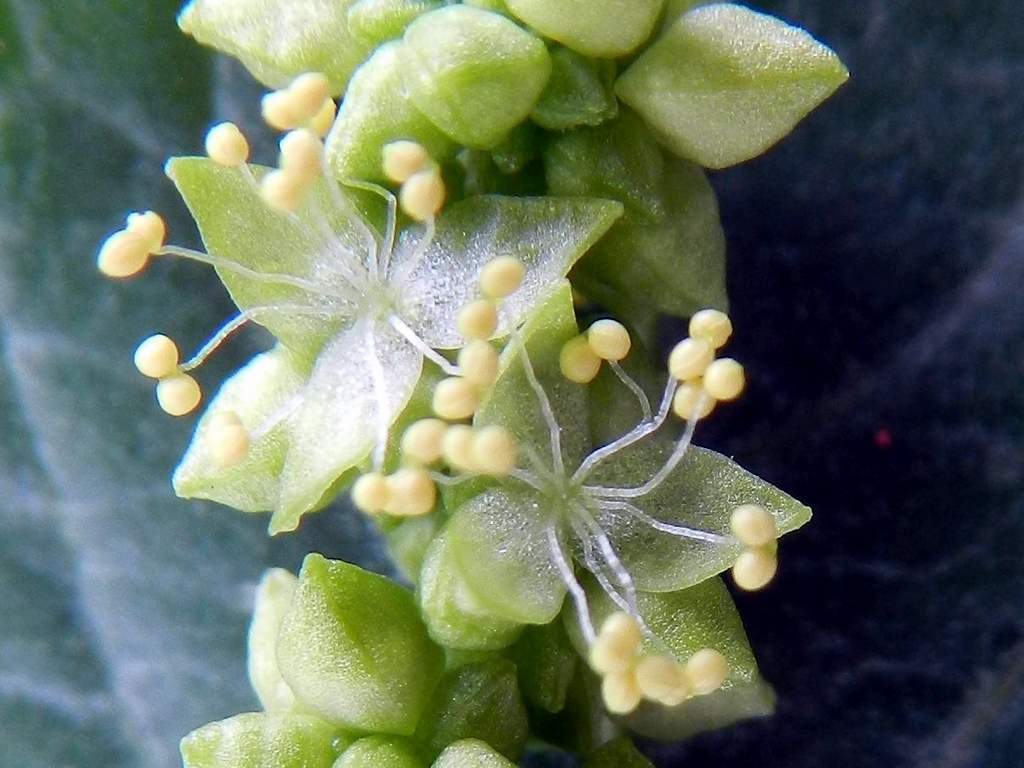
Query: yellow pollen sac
{"type": "Point", "coordinates": [478, 319]}
{"type": "Point", "coordinates": [280, 111]}
{"type": "Point", "coordinates": [370, 493]}
{"type": "Point", "coordinates": [617, 645]}
{"type": "Point", "coordinates": [179, 394]}
{"type": "Point", "coordinates": [422, 441]}
{"type": "Point", "coordinates": [725, 379]}
{"type": "Point", "coordinates": [501, 277]}
{"type": "Point", "coordinates": [324, 119]}
{"type": "Point", "coordinates": [422, 195]}
{"type": "Point", "coordinates": [621, 692]}
{"type": "Point", "coordinates": [662, 679]}
{"type": "Point", "coordinates": [412, 493]}
{"type": "Point", "coordinates": [455, 398]}
{"type": "Point", "coordinates": [478, 363]}
{"type": "Point", "coordinates": [755, 568]}
{"type": "Point", "coordinates": [226, 145]}
{"type": "Point", "coordinates": [404, 159]}
{"type": "Point", "coordinates": [609, 340]}
{"type": "Point", "coordinates": [282, 191]}
{"type": "Point", "coordinates": [495, 451]}
{"type": "Point", "coordinates": [228, 439]}
{"type": "Point", "coordinates": [711, 325]}
{"type": "Point", "coordinates": [753, 525]}
{"type": "Point", "coordinates": [691, 401]}
{"type": "Point", "coordinates": [308, 92]}
{"type": "Point", "coordinates": [124, 254]}
{"type": "Point", "coordinates": [302, 155]}
{"type": "Point", "coordinates": [578, 362]}
{"type": "Point", "coordinates": [689, 359]}
{"type": "Point", "coordinates": [706, 671]}
{"type": "Point", "coordinates": [157, 357]}
{"type": "Point", "coordinates": [457, 447]}
{"type": "Point", "coordinates": [150, 227]}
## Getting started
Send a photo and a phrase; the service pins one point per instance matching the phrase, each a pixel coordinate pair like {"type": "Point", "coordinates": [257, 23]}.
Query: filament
{"type": "Point", "coordinates": [545, 406]}
{"type": "Point", "coordinates": [424, 349]}
{"type": "Point", "coordinates": [383, 420]}
{"type": "Point", "coordinates": [579, 597]}
{"type": "Point", "coordinates": [636, 389]}
{"type": "Point", "coordinates": [675, 530]}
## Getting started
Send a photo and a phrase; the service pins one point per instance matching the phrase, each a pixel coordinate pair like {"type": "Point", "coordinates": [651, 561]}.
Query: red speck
{"type": "Point", "coordinates": [883, 438]}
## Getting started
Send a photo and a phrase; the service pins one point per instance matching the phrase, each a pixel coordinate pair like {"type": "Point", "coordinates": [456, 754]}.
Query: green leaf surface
{"type": "Point", "coordinates": [546, 663]}
{"type": "Point", "coordinates": [724, 83]}
{"type": "Point", "coordinates": [273, 599]}
{"type": "Point", "coordinates": [353, 649]}
{"type": "Point", "coordinates": [581, 91]}
{"type": "Point", "coordinates": [471, 753]}
{"type": "Point", "coordinates": [621, 753]}
{"type": "Point", "coordinates": [258, 740]}
{"type": "Point", "coordinates": [278, 41]}
{"type": "Point", "coordinates": [376, 21]}
{"type": "Point", "coordinates": [379, 752]}
{"type": "Point", "coordinates": [603, 28]}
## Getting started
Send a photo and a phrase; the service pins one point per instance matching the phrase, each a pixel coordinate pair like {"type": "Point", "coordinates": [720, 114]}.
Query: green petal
{"type": "Point", "coordinates": [474, 73]}
{"type": "Point", "coordinates": [277, 41]}
{"type": "Point", "coordinates": [273, 598]}
{"type": "Point", "coordinates": [376, 21]}
{"type": "Point", "coordinates": [580, 92]}
{"type": "Point", "coordinates": [621, 753]}
{"type": "Point", "coordinates": [478, 701]}
{"type": "Point", "coordinates": [258, 740]}
{"type": "Point", "coordinates": [353, 649]}
{"type": "Point", "coordinates": [379, 752]}
{"type": "Point", "coordinates": [725, 83]}
{"type": "Point", "coordinates": [343, 413]}
{"type": "Point", "coordinates": [471, 753]}
{"type": "Point", "coordinates": [237, 226]}
{"type": "Point", "coordinates": [546, 662]}
{"type": "Point", "coordinates": [375, 112]}
{"type": "Point", "coordinates": [255, 393]}
{"type": "Point", "coordinates": [603, 28]}
{"type": "Point", "coordinates": [548, 234]}
{"type": "Point", "coordinates": [453, 616]}
{"type": "Point", "coordinates": [701, 493]}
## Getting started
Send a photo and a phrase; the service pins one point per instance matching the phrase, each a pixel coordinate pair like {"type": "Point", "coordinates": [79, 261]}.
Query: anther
{"type": "Point", "coordinates": [280, 111]}
{"type": "Point", "coordinates": [753, 525]}
{"type": "Point", "coordinates": [157, 357]}
{"type": "Point", "coordinates": [711, 325]}
{"type": "Point", "coordinates": [755, 568]}
{"type": "Point", "coordinates": [179, 394]}
{"type": "Point", "coordinates": [692, 402]}
{"type": "Point", "coordinates": [370, 493]}
{"type": "Point", "coordinates": [124, 254]}
{"type": "Point", "coordinates": [609, 340]}
{"type": "Point", "coordinates": [478, 319]}
{"type": "Point", "coordinates": [302, 154]}
{"type": "Point", "coordinates": [578, 362]}
{"type": "Point", "coordinates": [308, 93]}
{"type": "Point", "coordinates": [724, 379]}
{"type": "Point", "coordinates": [455, 398]}
{"type": "Point", "coordinates": [690, 358]}
{"type": "Point", "coordinates": [411, 492]}
{"type": "Point", "coordinates": [228, 439]}
{"type": "Point", "coordinates": [403, 159]}
{"type": "Point", "coordinates": [495, 451]}
{"type": "Point", "coordinates": [662, 679]}
{"type": "Point", "coordinates": [422, 195]}
{"type": "Point", "coordinates": [621, 692]}
{"type": "Point", "coordinates": [281, 191]}
{"type": "Point", "coordinates": [150, 227]}
{"type": "Point", "coordinates": [226, 145]}
{"type": "Point", "coordinates": [478, 363]}
{"type": "Point", "coordinates": [501, 277]}
{"type": "Point", "coordinates": [617, 645]}
{"type": "Point", "coordinates": [324, 119]}
{"type": "Point", "coordinates": [706, 671]}
{"type": "Point", "coordinates": [457, 447]}
{"type": "Point", "coordinates": [422, 441]}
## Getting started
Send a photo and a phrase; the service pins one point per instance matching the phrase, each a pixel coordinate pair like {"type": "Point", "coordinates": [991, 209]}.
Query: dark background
{"type": "Point", "coordinates": [876, 272]}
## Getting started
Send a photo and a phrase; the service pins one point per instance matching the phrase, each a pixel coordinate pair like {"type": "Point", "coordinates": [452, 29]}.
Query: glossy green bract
{"type": "Point", "coordinates": [376, 21]}
{"type": "Point", "coordinates": [273, 599]}
{"type": "Point", "coordinates": [471, 753]}
{"type": "Point", "coordinates": [603, 28]}
{"type": "Point", "coordinates": [580, 92]}
{"type": "Point", "coordinates": [258, 740]}
{"type": "Point", "coordinates": [379, 752]}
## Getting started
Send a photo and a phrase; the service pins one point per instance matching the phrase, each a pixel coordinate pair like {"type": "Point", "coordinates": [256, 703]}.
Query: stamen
{"type": "Point", "coordinates": [579, 597]}
{"type": "Point", "coordinates": [753, 525]}
{"type": "Point", "coordinates": [323, 120]}
{"type": "Point", "coordinates": [457, 448]}
{"type": "Point", "coordinates": [578, 362]}
{"type": "Point", "coordinates": [609, 340]}
{"type": "Point", "coordinates": [422, 347]}
{"type": "Point", "coordinates": [411, 493]}
{"type": "Point", "coordinates": [378, 260]}
{"type": "Point", "coordinates": [422, 196]}
{"type": "Point", "coordinates": [403, 159]}
{"type": "Point", "coordinates": [545, 406]}
{"type": "Point", "coordinates": [455, 399]}
{"type": "Point", "coordinates": [754, 568]}
{"type": "Point", "coordinates": [690, 358]}
{"type": "Point", "coordinates": [227, 146]}
{"type": "Point", "coordinates": [612, 558]}
{"type": "Point", "coordinates": [724, 379]}
{"type": "Point", "coordinates": [527, 477]}
{"type": "Point", "coordinates": [370, 493]}
{"type": "Point", "coordinates": [501, 277]}
{"type": "Point", "coordinates": [178, 395]}
{"type": "Point", "coordinates": [478, 362]}
{"type": "Point", "coordinates": [711, 325]}
{"type": "Point", "coordinates": [423, 441]}
{"type": "Point", "coordinates": [675, 530]}
{"type": "Point", "coordinates": [157, 357]}
{"type": "Point", "coordinates": [478, 320]}
{"type": "Point", "coordinates": [706, 671]}
{"type": "Point", "coordinates": [595, 567]}
{"type": "Point", "coordinates": [379, 389]}
{"type": "Point", "coordinates": [636, 389]}
{"type": "Point", "coordinates": [408, 266]}
{"type": "Point", "coordinates": [228, 439]}
{"type": "Point", "coordinates": [283, 412]}
{"type": "Point", "coordinates": [495, 450]}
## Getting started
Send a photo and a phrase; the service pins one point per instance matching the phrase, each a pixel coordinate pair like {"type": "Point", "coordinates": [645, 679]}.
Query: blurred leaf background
{"type": "Point", "coordinates": [876, 268]}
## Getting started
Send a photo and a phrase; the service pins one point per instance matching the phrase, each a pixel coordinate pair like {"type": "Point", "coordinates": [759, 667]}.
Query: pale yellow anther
{"type": "Point", "coordinates": [617, 645]}
{"type": "Point", "coordinates": [308, 93]}
{"type": "Point", "coordinates": [281, 111]}
{"type": "Point", "coordinates": [724, 379]}
{"type": "Point", "coordinates": [754, 568]}
{"type": "Point", "coordinates": [478, 363]}
{"type": "Point", "coordinates": [282, 191]}
{"type": "Point", "coordinates": [690, 358]}
{"type": "Point", "coordinates": [711, 325]}
{"type": "Point", "coordinates": [609, 340]}
{"type": "Point", "coordinates": [662, 679]}
{"type": "Point", "coordinates": [157, 357]}
{"type": "Point", "coordinates": [370, 493]}
{"type": "Point", "coordinates": [478, 319]}
{"type": "Point", "coordinates": [227, 439]}
{"type": "Point", "coordinates": [706, 671]}
{"type": "Point", "coordinates": [455, 398]}
{"type": "Point", "coordinates": [691, 401]}
{"type": "Point", "coordinates": [753, 525]}
{"type": "Point", "coordinates": [302, 154]}
{"type": "Point", "coordinates": [501, 277]}
{"type": "Point", "coordinates": [423, 441]}
{"type": "Point", "coordinates": [578, 362]}
{"type": "Point", "coordinates": [411, 492]}
{"type": "Point", "coordinates": [403, 159]}
{"type": "Point", "coordinates": [149, 226]}
{"type": "Point", "coordinates": [179, 394]}
{"type": "Point", "coordinates": [495, 451]}
{"type": "Point", "coordinates": [226, 145]}
{"type": "Point", "coordinates": [122, 255]}
{"type": "Point", "coordinates": [621, 692]}
{"type": "Point", "coordinates": [323, 120]}
{"type": "Point", "coordinates": [457, 447]}
{"type": "Point", "coordinates": [422, 195]}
